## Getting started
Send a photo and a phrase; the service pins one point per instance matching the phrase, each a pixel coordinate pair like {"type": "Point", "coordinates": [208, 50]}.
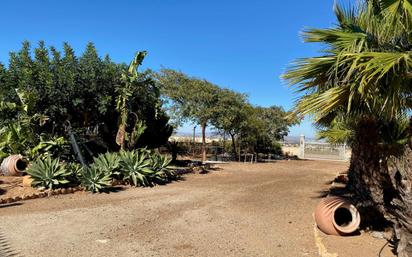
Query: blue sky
{"type": "Point", "coordinates": [242, 45]}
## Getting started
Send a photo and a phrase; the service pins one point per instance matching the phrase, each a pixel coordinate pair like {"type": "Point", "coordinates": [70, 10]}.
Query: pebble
{"type": "Point", "coordinates": [377, 234]}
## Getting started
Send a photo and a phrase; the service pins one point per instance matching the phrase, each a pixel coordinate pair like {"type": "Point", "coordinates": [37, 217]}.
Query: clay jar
{"type": "Point", "coordinates": [337, 216]}
{"type": "Point", "coordinates": [14, 165]}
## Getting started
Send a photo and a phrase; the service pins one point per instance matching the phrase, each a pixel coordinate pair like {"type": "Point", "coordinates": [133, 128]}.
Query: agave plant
{"type": "Point", "coordinates": [160, 165]}
{"type": "Point", "coordinates": [48, 173]}
{"type": "Point", "coordinates": [94, 179]}
{"type": "Point", "coordinates": [135, 166]}
{"type": "Point", "coordinates": [107, 163]}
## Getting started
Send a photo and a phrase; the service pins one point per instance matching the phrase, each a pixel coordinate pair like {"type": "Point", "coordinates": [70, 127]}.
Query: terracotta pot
{"type": "Point", "coordinates": [337, 216]}
{"type": "Point", "coordinates": [14, 165]}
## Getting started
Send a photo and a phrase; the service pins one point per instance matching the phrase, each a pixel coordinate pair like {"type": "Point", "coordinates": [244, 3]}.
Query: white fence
{"type": "Point", "coordinates": [322, 150]}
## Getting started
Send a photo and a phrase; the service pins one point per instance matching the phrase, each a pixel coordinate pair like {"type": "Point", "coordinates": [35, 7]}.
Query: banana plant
{"type": "Point", "coordinates": [137, 132]}
{"type": "Point", "coordinates": [125, 91]}
{"type": "Point", "coordinates": [14, 139]}
{"type": "Point", "coordinates": [17, 136]}
{"type": "Point", "coordinates": [46, 148]}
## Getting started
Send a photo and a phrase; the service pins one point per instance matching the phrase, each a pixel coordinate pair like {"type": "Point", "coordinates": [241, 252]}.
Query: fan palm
{"type": "Point", "coordinates": [364, 76]}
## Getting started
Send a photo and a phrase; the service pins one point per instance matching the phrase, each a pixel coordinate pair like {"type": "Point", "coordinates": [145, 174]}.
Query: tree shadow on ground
{"type": "Point", "coordinates": [213, 169]}
{"type": "Point", "coordinates": [2, 190]}
{"type": "Point", "coordinates": [6, 205]}
{"type": "Point", "coordinates": [116, 189]}
{"type": "Point", "coordinates": [335, 191]}
{"type": "Point", "coordinates": [178, 179]}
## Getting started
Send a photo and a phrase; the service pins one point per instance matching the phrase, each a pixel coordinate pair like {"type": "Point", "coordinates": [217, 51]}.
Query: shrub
{"type": "Point", "coordinates": [94, 179]}
{"type": "Point", "coordinates": [161, 171]}
{"type": "Point", "coordinates": [107, 163]}
{"type": "Point", "coordinates": [145, 168]}
{"type": "Point", "coordinates": [135, 167]}
{"type": "Point", "coordinates": [48, 173]}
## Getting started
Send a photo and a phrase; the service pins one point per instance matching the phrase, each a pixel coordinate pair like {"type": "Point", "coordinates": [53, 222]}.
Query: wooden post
{"type": "Point", "coordinates": [194, 142]}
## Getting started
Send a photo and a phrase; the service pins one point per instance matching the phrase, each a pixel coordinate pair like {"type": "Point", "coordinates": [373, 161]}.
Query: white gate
{"type": "Point", "coordinates": [322, 150]}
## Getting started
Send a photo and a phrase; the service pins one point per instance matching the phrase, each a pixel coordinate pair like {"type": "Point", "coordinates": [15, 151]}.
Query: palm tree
{"type": "Point", "coordinates": [363, 78]}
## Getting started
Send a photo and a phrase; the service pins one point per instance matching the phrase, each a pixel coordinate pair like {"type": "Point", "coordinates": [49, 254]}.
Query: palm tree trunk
{"type": "Point", "coordinates": [369, 181]}
{"type": "Point", "coordinates": [401, 206]}
{"type": "Point", "coordinates": [402, 209]}
{"type": "Point", "coordinates": [382, 189]}
{"type": "Point", "coordinates": [203, 142]}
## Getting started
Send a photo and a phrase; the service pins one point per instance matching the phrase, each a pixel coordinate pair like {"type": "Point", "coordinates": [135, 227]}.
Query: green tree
{"type": "Point", "coordinates": [3, 80]}
{"type": "Point", "coordinates": [82, 90]}
{"type": "Point", "coordinates": [363, 78]}
{"type": "Point", "coordinates": [277, 121]}
{"type": "Point", "coordinates": [232, 112]}
{"type": "Point", "coordinates": [192, 98]}
{"type": "Point", "coordinates": [264, 127]}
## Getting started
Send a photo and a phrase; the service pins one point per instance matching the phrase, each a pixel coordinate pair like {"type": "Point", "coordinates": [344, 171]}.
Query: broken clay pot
{"type": "Point", "coordinates": [337, 216]}
{"type": "Point", "coordinates": [14, 165]}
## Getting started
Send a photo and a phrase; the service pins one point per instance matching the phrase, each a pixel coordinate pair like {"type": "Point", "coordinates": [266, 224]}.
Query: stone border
{"type": "Point", "coordinates": [322, 251]}
{"type": "Point", "coordinates": [70, 190]}
{"type": "Point", "coordinates": [41, 194]}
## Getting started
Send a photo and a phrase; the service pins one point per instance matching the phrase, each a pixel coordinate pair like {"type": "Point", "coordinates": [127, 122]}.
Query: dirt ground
{"type": "Point", "coordinates": [238, 210]}
{"type": "Point", "coordinates": [13, 186]}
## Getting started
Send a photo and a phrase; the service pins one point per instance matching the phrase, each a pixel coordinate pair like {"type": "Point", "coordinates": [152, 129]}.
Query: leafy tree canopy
{"type": "Point", "coordinates": [82, 89]}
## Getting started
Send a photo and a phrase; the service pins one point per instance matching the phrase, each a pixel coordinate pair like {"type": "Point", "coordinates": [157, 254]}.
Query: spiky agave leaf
{"type": "Point", "coordinates": [160, 165]}
{"type": "Point", "coordinates": [107, 163]}
{"type": "Point", "coordinates": [94, 179]}
{"type": "Point", "coordinates": [135, 167]}
{"type": "Point", "coordinates": [48, 173]}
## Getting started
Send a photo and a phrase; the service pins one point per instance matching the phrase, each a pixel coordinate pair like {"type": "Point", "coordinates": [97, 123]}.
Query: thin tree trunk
{"type": "Point", "coordinates": [121, 137]}
{"type": "Point", "coordinates": [174, 156]}
{"type": "Point", "coordinates": [239, 148]}
{"type": "Point", "coordinates": [234, 145]}
{"type": "Point", "coordinates": [203, 142]}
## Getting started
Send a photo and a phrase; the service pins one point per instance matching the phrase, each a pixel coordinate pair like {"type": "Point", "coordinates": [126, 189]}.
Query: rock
{"type": "Point", "coordinates": [27, 180]}
{"type": "Point", "coordinates": [377, 234]}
